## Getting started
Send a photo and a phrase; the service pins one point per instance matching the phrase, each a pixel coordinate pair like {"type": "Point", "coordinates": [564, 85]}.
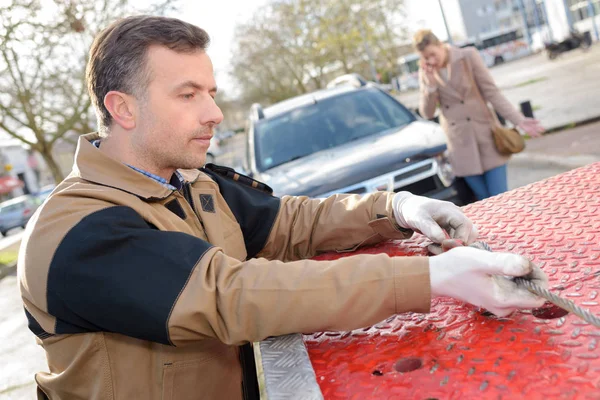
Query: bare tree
{"type": "Point", "coordinates": [43, 56]}
{"type": "Point", "coordinates": [291, 47]}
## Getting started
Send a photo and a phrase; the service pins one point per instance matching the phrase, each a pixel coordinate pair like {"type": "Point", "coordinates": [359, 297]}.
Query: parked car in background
{"type": "Point", "coordinates": [41, 195]}
{"type": "Point", "coordinates": [347, 139]}
{"type": "Point", "coordinates": [16, 212]}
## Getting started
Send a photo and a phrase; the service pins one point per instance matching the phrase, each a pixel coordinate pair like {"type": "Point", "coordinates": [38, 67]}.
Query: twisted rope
{"type": "Point", "coordinates": [565, 304]}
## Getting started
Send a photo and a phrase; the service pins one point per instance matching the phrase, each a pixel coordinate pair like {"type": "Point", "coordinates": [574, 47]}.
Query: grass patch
{"type": "Point", "coordinates": [536, 108]}
{"type": "Point", "coordinates": [531, 81]}
{"type": "Point", "coordinates": [8, 257]}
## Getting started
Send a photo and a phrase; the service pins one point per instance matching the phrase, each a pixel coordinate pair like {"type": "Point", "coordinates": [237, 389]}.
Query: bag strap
{"type": "Point", "coordinates": [469, 72]}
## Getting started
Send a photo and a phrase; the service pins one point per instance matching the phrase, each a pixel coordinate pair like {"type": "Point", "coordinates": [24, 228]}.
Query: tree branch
{"type": "Point", "coordinates": [15, 135]}
{"type": "Point", "coordinates": [9, 113]}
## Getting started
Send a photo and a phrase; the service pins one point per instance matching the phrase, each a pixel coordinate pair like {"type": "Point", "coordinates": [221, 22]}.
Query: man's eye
{"type": "Point", "coordinates": [188, 96]}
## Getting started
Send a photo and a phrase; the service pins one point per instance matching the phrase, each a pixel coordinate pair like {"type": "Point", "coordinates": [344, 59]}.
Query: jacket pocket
{"type": "Point", "coordinates": [203, 371]}
{"type": "Point", "coordinates": [181, 380]}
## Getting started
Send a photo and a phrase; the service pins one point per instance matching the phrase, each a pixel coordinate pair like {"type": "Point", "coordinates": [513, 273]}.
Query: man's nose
{"type": "Point", "coordinates": [212, 114]}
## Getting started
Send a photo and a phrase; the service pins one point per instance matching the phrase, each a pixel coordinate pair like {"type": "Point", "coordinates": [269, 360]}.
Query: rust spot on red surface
{"type": "Point", "coordinates": [549, 311]}
{"type": "Point", "coordinates": [408, 364]}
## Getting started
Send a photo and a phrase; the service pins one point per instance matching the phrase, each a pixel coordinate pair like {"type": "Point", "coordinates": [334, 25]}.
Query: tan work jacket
{"type": "Point", "coordinates": [136, 291]}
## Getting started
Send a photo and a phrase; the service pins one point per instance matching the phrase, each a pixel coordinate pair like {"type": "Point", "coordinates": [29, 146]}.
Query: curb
{"type": "Point", "coordinates": [570, 162]}
{"type": "Point", "coordinates": [572, 125]}
{"type": "Point", "coordinates": [14, 243]}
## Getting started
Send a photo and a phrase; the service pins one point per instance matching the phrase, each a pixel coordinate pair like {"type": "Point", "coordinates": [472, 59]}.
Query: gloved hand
{"type": "Point", "coordinates": [431, 217]}
{"type": "Point", "coordinates": [479, 277]}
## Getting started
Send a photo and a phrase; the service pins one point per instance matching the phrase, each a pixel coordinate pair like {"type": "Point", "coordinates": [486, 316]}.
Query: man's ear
{"type": "Point", "coordinates": [120, 106]}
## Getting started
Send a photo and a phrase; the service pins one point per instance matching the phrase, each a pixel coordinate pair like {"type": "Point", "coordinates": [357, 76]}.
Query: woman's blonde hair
{"type": "Point", "coordinates": [424, 38]}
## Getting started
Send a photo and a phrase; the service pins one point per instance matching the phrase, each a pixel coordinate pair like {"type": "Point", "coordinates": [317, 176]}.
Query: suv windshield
{"type": "Point", "coordinates": [326, 124]}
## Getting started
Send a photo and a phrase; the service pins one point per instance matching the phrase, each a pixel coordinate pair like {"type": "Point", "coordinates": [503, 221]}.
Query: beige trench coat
{"type": "Point", "coordinates": [464, 118]}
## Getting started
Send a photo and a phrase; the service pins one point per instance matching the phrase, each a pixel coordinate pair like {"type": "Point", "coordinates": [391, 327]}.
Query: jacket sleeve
{"type": "Point", "coordinates": [114, 272]}
{"type": "Point", "coordinates": [489, 90]}
{"type": "Point", "coordinates": [305, 227]}
{"type": "Point", "coordinates": [428, 101]}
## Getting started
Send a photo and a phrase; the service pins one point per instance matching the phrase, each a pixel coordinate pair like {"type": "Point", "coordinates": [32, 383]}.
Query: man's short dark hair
{"type": "Point", "coordinates": [118, 56]}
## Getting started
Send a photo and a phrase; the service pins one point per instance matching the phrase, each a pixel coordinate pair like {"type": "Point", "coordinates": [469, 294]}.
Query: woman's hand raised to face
{"type": "Point", "coordinates": [428, 73]}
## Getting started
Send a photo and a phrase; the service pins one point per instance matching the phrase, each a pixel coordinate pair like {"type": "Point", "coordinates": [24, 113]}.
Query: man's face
{"type": "Point", "coordinates": [178, 112]}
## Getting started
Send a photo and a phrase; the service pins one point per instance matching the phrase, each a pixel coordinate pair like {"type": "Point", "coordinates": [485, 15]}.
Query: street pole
{"type": "Point", "coordinates": [445, 22]}
{"type": "Point", "coordinates": [592, 13]}
{"type": "Point", "coordinates": [525, 24]}
{"type": "Point", "coordinates": [536, 17]}
{"type": "Point", "coordinates": [569, 16]}
{"type": "Point", "coordinates": [547, 18]}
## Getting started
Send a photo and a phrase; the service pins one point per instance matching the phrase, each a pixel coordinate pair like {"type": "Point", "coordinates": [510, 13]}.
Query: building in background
{"type": "Point", "coordinates": [467, 19]}
{"type": "Point", "coordinates": [583, 15]}
{"type": "Point", "coordinates": [538, 21]}
{"type": "Point", "coordinates": [502, 30]}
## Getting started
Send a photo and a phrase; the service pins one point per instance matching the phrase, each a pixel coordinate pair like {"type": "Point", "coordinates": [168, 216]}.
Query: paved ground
{"type": "Point", "coordinates": [13, 238]}
{"type": "Point", "coordinates": [555, 153]}
{"type": "Point", "coordinates": [20, 357]}
{"type": "Point", "coordinates": [562, 91]}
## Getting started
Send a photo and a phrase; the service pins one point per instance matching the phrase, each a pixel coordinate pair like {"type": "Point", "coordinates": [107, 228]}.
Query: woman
{"type": "Point", "coordinates": [445, 81]}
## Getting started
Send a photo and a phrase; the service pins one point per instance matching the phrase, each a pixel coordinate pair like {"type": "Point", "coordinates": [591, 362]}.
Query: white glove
{"type": "Point", "coordinates": [476, 277]}
{"type": "Point", "coordinates": [431, 217]}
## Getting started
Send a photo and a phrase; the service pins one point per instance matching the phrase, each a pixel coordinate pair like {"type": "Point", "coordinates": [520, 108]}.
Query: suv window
{"type": "Point", "coordinates": [326, 124]}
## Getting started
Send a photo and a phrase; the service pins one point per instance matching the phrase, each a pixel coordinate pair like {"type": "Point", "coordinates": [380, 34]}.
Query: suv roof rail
{"type": "Point", "coordinates": [256, 111]}
{"type": "Point", "coordinates": [353, 78]}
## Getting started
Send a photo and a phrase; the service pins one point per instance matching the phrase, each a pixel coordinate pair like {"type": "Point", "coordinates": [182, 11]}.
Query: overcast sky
{"type": "Point", "coordinates": [219, 18]}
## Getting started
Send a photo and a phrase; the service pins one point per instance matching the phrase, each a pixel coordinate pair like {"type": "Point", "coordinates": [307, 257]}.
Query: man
{"type": "Point", "coordinates": [142, 274]}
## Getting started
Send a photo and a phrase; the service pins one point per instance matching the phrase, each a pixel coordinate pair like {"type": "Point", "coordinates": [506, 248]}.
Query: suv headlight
{"type": "Point", "coordinates": [445, 172]}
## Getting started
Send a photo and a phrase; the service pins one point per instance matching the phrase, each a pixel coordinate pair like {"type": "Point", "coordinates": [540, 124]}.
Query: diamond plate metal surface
{"type": "Point", "coordinates": [459, 352]}
{"type": "Point", "coordinates": [287, 368]}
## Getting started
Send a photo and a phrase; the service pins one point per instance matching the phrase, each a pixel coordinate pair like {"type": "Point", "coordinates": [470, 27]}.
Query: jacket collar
{"type": "Point", "coordinates": [94, 166]}
{"type": "Point", "coordinates": [455, 57]}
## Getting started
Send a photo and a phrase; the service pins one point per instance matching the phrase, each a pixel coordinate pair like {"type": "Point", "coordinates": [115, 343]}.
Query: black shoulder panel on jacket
{"type": "Point", "coordinates": [115, 272]}
{"type": "Point", "coordinates": [230, 173]}
{"type": "Point", "coordinates": [251, 202]}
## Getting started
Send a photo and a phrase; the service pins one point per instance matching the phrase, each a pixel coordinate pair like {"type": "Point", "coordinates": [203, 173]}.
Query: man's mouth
{"type": "Point", "coordinates": [203, 139]}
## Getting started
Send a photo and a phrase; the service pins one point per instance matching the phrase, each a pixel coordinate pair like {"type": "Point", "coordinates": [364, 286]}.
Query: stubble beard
{"type": "Point", "coordinates": [174, 158]}
{"type": "Point", "coordinates": [163, 155]}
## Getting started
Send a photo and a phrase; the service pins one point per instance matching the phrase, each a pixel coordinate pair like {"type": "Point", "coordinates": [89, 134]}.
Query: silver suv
{"type": "Point", "coordinates": [347, 139]}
